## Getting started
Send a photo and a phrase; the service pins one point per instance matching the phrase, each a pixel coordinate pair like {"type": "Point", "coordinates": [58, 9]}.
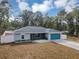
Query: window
{"type": "Point", "coordinates": [22, 36]}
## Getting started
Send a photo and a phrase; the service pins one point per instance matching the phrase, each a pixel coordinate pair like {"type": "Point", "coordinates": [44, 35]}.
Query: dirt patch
{"type": "Point", "coordinates": [37, 51]}
{"type": "Point", "coordinates": [73, 38]}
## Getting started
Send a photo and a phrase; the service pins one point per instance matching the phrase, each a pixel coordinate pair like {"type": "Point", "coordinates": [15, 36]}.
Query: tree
{"type": "Point", "coordinates": [71, 21]}
{"type": "Point", "coordinates": [75, 15]}
{"type": "Point", "coordinates": [16, 24]}
{"type": "Point", "coordinates": [4, 15]}
{"type": "Point", "coordinates": [32, 19]}
{"type": "Point", "coordinates": [60, 19]}
{"type": "Point", "coordinates": [26, 17]}
{"type": "Point", "coordinates": [38, 19]}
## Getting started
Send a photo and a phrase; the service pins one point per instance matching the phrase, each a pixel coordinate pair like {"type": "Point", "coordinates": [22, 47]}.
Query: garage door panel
{"type": "Point", "coordinates": [55, 36]}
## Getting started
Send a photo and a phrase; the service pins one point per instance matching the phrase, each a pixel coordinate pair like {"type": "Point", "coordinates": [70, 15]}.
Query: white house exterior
{"type": "Point", "coordinates": [7, 37]}
{"type": "Point", "coordinates": [30, 33]}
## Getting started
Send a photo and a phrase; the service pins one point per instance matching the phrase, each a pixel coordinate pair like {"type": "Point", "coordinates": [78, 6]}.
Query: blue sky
{"type": "Point", "coordinates": [52, 7]}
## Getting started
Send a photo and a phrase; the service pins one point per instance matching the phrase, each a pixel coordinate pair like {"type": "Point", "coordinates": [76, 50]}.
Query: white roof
{"type": "Point", "coordinates": [7, 32]}
{"type": "Point", "coordinates": [35, 29]}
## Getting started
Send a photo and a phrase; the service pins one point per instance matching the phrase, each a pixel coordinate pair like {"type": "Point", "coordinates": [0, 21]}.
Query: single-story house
{"type": "Point", "coordinates": [30, 33]}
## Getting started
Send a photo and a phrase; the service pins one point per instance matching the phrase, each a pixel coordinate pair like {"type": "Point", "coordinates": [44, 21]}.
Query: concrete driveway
{"type": "Point", "coordinates": [67, 43]}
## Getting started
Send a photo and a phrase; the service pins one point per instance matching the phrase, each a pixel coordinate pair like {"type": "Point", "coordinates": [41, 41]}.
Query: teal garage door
{"type": "Point", "coordinates": [55, 36]}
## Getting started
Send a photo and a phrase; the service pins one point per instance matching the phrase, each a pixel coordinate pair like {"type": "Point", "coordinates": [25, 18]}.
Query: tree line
{"type": "Point", "coordinates": [63, 21]}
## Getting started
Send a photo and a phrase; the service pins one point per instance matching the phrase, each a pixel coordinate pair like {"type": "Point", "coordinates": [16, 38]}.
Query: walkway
{"type": "Point", "coordinates": [67, 43]}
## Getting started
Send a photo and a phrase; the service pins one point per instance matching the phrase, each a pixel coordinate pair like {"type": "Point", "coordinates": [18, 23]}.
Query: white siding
{"type": "Point", "coordinates": [27, 36]}
{"type": "Point", "coordinates": [49, 36]}
{"type": "Point", "coordinates": [7, 39]}
{"type": "Point", "coordinates": [16, 37]}
{"type": "Point", "coordinates": [63, 36]}
{"type": "Point", "coordinates": [19, 36]}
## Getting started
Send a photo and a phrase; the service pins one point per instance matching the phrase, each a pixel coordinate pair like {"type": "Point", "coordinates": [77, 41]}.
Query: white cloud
{"type": "Point", "coordinates": [47, 5]}
{"type": "Point", "coordinates": [68, 9]}
{"type": "Point", "coordinates": [71, 5]}
{"type": "Point", "coordinates": [20, 1]}
{"type": "Point", "coordinates": [68, 5]}
{"type": "Point", "coordinates": [44, 7]}
{"type": "Point", "coordinates": [23, 5]}
{"type": "Point", "coordinates": [60, 3]}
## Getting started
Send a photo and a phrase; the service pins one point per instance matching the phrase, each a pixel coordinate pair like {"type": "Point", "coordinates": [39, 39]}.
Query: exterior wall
{"type": "Point", "coordinates": [49, 36]}
{"type": "Point", "coordinates": [18, 36]}
{"type": "Point", "coordinates": [27, 36]}
{"type": "Point", "coordinates": [63, 36]}
{"type": "Point", "coordinates": [7, 39]}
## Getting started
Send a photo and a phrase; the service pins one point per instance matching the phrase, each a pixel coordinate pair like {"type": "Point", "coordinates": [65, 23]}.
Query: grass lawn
{"type": "Point", "coordinates": [37, 51]}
